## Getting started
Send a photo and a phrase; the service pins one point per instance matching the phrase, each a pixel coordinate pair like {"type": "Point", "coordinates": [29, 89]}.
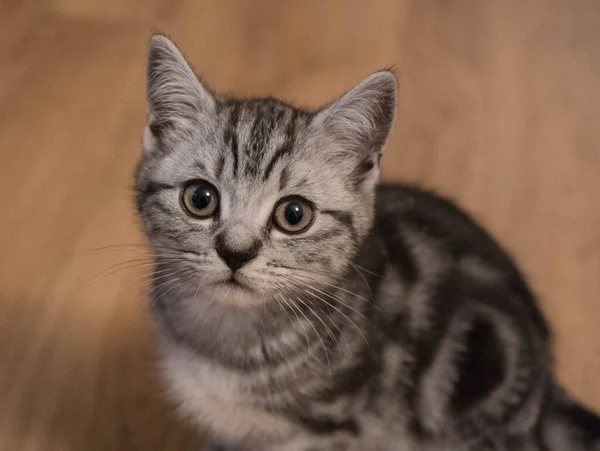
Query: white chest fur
{"type": "Point", "coordinates": [216, 398]}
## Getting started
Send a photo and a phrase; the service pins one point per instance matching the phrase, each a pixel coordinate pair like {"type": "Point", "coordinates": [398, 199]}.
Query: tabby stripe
{"type": "Point", "coordinates": [586, 422]}
{"type": "Point", "coordinates": [361, 170]}
{"type": "Point", "coordinates": [154, 187]}
{"type": "Point", "coordinates": [162, 207]}
{"type": "Point", "coordinates": [399, 252]}
{"type": "Point", "coordinates": [231, 136]}
{"type": "Point", "coordinates": [286, 147]}
{"type": "Point", "coordinates": [256, 132]}
{"type": "Point", "coordinates": [279, 115]}
{"type": "Point", "coordinates": [327, 426]}
{"type": "Point", "coordinates": [219, 167]}
{"type": "Point", "coordinates": [261, 130]}
{"type": "Point", "coordinates": [284, 178]}
{"type": "Point", "coordinates": [325, 235]}
{"type": "Point", "coordinates": [366, 368]}
{"type": "Point", "coordinates": [199, 166]}
{"type": "Point", "coordinates": [268, 359]}
{"type": "Point", "coordinates": [148, 191]}
{"type": "Point", "coordinates": [344, 218]}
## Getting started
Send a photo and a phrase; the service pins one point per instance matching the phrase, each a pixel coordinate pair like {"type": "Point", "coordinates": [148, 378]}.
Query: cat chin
{"type": "Point", "coordinates": [233, 295]}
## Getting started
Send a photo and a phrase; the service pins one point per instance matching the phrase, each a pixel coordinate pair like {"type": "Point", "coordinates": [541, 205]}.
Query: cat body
{"type": "Point", "coordinates": [380, 388]}
{"type": "Point", "coordinates": [301, 307]}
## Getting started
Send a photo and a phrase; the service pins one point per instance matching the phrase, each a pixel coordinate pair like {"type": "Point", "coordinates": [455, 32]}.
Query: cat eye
{"type": "Point", "coordinates": [293, 215]}
{"type": "Point", "coordinates": [200, 199]}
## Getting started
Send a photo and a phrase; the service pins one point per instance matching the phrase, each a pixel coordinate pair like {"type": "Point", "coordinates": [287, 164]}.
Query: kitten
{"type": "Point", "coordinates": [302, 307]}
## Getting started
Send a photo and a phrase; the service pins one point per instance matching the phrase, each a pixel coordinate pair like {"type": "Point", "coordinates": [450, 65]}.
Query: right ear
{"type": "Point", "coordinates": [176, 98]}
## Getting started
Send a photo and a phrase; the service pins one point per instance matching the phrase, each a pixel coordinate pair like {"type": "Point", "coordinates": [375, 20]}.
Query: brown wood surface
{"type": "Point", "coordinates": [499, 108]}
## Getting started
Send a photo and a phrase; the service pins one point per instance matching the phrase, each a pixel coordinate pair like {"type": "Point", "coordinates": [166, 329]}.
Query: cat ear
{"type": "Point", "coordinates": [362, 118]}
{"type": "Point", "coordinates": [176, 98]}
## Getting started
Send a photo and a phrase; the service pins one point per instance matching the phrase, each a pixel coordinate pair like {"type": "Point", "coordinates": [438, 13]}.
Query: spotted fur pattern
{"type": "Point", "coordinates": [394, 323]}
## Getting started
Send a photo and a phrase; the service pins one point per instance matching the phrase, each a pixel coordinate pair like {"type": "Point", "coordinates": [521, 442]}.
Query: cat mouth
{"type": "Point", "coordinates": [235, 282]}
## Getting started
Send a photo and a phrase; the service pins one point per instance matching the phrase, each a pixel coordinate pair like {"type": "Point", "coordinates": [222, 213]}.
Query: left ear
{"type": "Point", "coordinates": [177, 100]}
{"type": "Point", "coordinates": [361, 119]}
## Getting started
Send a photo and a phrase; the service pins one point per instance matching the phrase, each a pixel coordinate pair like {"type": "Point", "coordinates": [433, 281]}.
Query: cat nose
{"type": "Point", "coordinates": [236, 258]}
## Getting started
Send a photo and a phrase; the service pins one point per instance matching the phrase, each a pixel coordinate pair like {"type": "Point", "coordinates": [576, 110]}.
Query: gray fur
{"type": "Point", "coordinates": [393, 323]}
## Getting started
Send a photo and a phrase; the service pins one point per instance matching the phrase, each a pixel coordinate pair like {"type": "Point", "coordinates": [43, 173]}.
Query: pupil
{"type": "Point", "coordinates": [293, 214]}
{"type": "Point", "coordinates": [201, 198]}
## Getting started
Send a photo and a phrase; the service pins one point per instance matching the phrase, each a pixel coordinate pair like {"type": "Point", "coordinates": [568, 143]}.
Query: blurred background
{"type": "Point", "coordinates": [499, 108]}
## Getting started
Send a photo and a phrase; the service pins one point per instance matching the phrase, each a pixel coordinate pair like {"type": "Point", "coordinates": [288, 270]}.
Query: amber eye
{"type": "Point", "coordinates": [293, 215]}
{"type": "Point", "coordinates": [200, 199]}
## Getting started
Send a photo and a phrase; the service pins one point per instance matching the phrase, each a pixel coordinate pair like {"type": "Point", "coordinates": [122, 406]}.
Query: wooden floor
{"type": "Point", "coordinates": [499, 108]}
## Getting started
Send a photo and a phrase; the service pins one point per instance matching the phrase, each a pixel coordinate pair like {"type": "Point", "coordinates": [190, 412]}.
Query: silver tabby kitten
{"type": "Point", "coordinates": [300, 307]}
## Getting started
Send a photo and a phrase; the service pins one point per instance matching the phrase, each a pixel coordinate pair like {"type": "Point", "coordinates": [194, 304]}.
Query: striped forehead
{"type": "Point", "coordinates": [257, 135]}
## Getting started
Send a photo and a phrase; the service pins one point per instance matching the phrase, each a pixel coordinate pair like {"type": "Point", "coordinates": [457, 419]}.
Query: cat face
{"type": "Point", "coordinates": [246, 201]}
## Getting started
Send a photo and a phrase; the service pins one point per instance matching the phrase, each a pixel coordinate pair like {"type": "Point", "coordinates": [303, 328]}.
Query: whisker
{"type": "Point", "coordinates": [148, 279]}
{"type": "Point", "coordinates": [204, 307]}
{"type": "Point", "coordinates": [155, 289]}
{"type": "Point", "coordinates": [308, 346]}
{"type": "Point", "coordinates": [334, 297]}
{"type": "Point", "coordinates": [329, 331]}
{"type": "Point", "coordinates": [345, 291]}
{"type": "Point", "coordinates": [145, 247]}
{"type": "Point", "coordinates": [350, 293]}
{"type": "Point", "coordinates": [109, 247]}
{"type": "Point", "coordinates": [177, 281]}
{"type": "Point", "coordinates": [166, 274]}
{"type": "Point", "coordinates": [342, 313]}
{"type": "Point", "coordinates": [364, 279]}
{"type": "Point", "coordinates": [313, 271]}
{"type": "Point", "coordinates": [367, 271]}
{"type": "Point", "coordinates": [333, 306]}
{"type": "Point", "coordinates": [316, 333]}
{"type": "Point", "coordinates": [198, 288]}
{"type": "Point", "coordinates": [113, 269]}
{"type": "Point", "coordinates": [301, 270]}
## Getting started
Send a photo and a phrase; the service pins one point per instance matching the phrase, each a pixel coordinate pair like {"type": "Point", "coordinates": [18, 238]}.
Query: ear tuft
{"type": "Point", "coordinates": [362, 118]}
{"type": "Point", "coordinates": [176, 97]}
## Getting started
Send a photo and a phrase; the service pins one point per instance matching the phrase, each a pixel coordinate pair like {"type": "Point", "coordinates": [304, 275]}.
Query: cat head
{"type": "Point", "coordinates": [247, 200]}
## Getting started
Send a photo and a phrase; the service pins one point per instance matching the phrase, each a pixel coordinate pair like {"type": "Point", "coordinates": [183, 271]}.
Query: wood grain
{"type": "Point", "coordinates": [499, 108]}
